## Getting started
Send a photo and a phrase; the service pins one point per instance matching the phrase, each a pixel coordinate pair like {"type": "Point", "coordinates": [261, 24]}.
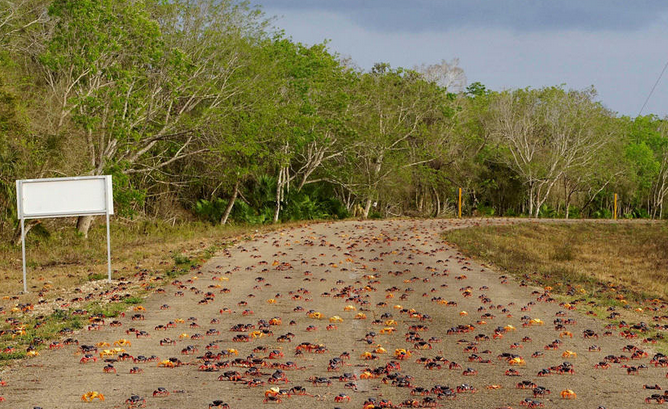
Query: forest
{"type": "Point", "coordinates": [203, 109]}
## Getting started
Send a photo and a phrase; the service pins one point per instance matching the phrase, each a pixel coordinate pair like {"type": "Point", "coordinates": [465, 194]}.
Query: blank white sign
{"type": "Point", "coordinates": [62, 197]}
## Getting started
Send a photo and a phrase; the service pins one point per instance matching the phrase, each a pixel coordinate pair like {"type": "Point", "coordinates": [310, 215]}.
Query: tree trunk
{"type": "Point", "coordinates": [230, 205]}
{"type": "Point", "coordinates": [28, 226]}
{"type": "Point", "coordinates": [438, 202]}
{"type": "Point", "coordinates": [531, 194]}
{"type": "Point", "coordinates": [566, 197]}
{"type": "Point", "coordinates": [83, 225]}
{"type": "Point", "coordinates": [281, 186]}
{"type": "Point", "coordinates": [367, 208]}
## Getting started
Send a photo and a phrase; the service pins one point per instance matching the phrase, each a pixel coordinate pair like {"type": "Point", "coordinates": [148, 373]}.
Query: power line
{"type": "Point", "coordinates": [653, 88]}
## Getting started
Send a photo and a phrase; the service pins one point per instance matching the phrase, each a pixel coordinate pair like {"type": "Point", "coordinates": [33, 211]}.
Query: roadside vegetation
{"type": "Point", "coordinates": [203, 109]}
{"type": "Point", "coordinates": [598, 260]}
{"type": "Point", "coordinates": [614, 271]}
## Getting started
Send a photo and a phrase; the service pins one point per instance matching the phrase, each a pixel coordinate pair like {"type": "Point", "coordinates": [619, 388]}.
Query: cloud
{"type": "Point", "coordinates": [622, 65]}
{"type": "Point", "coordinates": [517, 15]}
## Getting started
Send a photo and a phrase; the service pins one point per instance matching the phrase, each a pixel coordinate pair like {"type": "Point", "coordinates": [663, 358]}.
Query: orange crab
{"type": "Point", "coordinates": [122, 343]}
{"type": "Point", "coordinates": [89, 396]}
{"type": "Point", "coordinates": [256, 334]}
{"type": "Point", "coordinates": [569, 354]}
{"type": "Point", "coordinates": [368, 375]}
{"type": "Point", "coordinates": [568, 394]}
{"type": "Point", "coordinates": [166, 364]}
{"type": "Point", "coordinates": [335, 318]}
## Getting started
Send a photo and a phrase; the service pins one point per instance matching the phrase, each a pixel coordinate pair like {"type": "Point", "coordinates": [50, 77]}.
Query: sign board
{"type": "Point", "coordinates": [64, 197]}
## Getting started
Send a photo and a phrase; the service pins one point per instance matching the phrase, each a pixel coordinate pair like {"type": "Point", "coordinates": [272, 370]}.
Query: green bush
{"type": "Point", "coordinates": [181, 259]}
{"type": "Point", "coordinates": [487, 211]}
{"type": "Point", "coordinates": [547, 211]}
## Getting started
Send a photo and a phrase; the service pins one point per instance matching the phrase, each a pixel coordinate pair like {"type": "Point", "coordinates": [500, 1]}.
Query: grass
{"type": "Point", "coordinates": [595, 267]}
{"type": "Point", "coordinates": [616, 261]}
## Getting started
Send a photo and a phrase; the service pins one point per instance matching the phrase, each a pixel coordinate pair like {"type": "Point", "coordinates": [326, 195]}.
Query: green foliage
{"type": "Point", "coordinates": [313, 203]}
{"type": "Point", "coordinates": [128, 198]}
{"type": "Point", "coordinates": [547, 211]}
{"type": "Point", "coordinates": [487, 211]}
{"type": "Point", "coordinates": [211, 210]}
{"type": "Point", "coordinates": [133, 300]}
{"type": "Point", "coordinates": [181, 260]}
{"type": "Point", "coordinates": [191, 103]}
{"type": "Point", "coordinates": [96, 276]}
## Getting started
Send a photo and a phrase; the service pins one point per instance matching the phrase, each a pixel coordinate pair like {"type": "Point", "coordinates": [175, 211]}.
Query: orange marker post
{"type": "Point", "coordinates": [460, 202]}
{"type": "Point", "coordinates": [615, 214]}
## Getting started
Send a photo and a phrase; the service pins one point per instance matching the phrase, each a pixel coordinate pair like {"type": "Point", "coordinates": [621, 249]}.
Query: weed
{"type": "Point", "coordinates": [210, 251]}
{"type": "Point", "coordinates": [181, 259]}
{"type": "Point", "coordinates": [96, 276]}
{"type": "Point", "coordinates": [133, 300]}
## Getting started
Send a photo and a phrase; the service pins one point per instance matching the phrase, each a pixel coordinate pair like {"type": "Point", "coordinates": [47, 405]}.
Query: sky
{"type": "Point", "coordinates": [618, 46]}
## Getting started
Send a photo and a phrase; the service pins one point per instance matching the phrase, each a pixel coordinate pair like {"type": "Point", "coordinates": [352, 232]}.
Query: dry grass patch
{"type": "Point", "coordinates": [584, 258]}
{"type": "Point", "coordinates": [59, 259]}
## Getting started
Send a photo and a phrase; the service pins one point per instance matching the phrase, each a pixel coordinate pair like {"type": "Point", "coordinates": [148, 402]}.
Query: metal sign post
{"type": "Point", "coordinates": [23, 252]}
{"type": "Point", "coordinates": [64, 197]}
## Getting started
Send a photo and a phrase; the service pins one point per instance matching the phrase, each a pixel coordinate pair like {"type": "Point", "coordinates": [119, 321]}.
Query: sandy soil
{"type": "Point", "coordinates": [325, 268]}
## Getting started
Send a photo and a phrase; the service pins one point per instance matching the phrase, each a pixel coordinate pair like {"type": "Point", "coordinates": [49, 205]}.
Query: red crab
{"type": "Point", "coordinates": [160, 392]}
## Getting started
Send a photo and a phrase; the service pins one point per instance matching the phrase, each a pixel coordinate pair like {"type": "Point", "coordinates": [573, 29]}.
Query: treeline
{"type": "Point", "coordinates": [201, 107]}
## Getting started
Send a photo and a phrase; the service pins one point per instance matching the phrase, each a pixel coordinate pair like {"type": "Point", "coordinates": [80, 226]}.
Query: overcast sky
{"type": "Point", "coordinates": [618, 46]}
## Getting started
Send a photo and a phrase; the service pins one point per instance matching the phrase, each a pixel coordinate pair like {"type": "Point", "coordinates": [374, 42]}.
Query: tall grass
{"type": "Point", "coordinates": [59, 258]}
{"type": "Point", "coordinates": [631, 258]}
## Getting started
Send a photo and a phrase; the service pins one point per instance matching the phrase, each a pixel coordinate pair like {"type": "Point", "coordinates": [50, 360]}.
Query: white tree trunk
{"type": "Point", "coordinates": [230, 205]}
{"type": "Point", "coordinates": [83, 224]}
{"type": "Point", "coordinates": [367, 208]}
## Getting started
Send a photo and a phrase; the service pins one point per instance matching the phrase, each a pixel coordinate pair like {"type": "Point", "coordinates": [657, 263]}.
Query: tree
{"type": "Point", "coordinates": [309, 108]}
{"type": "Point", "coordinates": [446, 74]}
{"type": "Point", "coordinates": [393, 108]}
{"type": "Point", "coordinates": [138, 88]}
{"type": "Point", "coordinates": [647, 151]}
{"type": "Point", "coordinates": [545, 133]}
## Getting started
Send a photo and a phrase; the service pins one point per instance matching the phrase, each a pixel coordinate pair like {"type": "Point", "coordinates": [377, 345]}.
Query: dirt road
{"type": "Point", "coordinates": [444, 305]}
